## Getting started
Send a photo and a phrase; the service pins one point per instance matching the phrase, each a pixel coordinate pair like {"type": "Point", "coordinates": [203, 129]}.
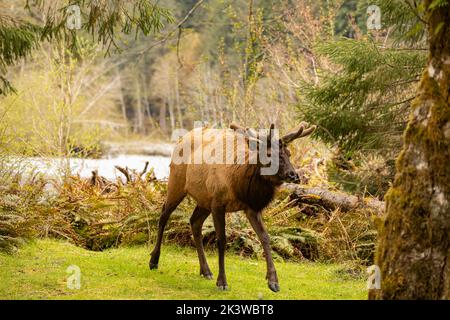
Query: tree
{"type": "Point", "coordinates": [414, 241]}
{"type": "Point", "coordinates": [367, 80]}
{"type": "Point", "coordinates": [42, 20]}
{"type": "Point", "coordinates": [367, 91]}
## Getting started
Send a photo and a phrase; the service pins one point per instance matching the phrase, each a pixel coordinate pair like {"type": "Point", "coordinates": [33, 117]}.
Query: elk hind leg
{"type": "Point", "coordinates": [197, 219]}
{"type": "Point", "coordinates": [219, 225]}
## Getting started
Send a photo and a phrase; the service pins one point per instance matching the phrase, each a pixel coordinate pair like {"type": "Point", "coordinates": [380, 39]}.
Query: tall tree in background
{"type": "Point", "coordinates": [414, 243]}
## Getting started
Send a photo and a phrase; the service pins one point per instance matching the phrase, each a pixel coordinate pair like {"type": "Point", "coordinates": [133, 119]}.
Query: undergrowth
{"type": "Point", "coordinates": [97, 217]}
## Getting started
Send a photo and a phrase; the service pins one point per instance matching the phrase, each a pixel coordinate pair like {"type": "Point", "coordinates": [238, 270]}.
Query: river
{"type": "Point", "coordinates": [53, 167]}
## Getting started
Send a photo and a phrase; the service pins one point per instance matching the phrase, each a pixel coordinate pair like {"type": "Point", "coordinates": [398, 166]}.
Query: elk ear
{"type": "Point", "coordinates": [302, 130]}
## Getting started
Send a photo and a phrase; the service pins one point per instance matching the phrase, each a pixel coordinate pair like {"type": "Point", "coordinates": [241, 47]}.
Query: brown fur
{"type": "Point", "coordinates": [255, 192]}
{"type": "Point", "coordinates": [221, 188]}
{"type": "Point", "coordinates": [233, 186]}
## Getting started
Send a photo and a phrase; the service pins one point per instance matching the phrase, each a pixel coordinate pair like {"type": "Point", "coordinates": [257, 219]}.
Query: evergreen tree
{"type": "Point", "coordinates": [362, 101]}
{"type": "Point", "coordinates": [101, 19]}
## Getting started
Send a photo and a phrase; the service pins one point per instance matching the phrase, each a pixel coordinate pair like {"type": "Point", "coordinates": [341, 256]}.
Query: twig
{"type": "Point", "coordinates": [145, 169]}
{"type": "Point", "coordinates": [180, 62]}
{"type": "Point", "coordinates": [125, 172]}
{"type": "Point", "coordinates": [178, 26]}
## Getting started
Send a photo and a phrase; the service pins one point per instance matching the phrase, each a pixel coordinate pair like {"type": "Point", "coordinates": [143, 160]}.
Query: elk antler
{"type": "Point", "coordinates": [302, 131]}
{"type": "Point", "coordinates": [271, 134]}
{"type": "Point", "coordinates": [246, 131]}
{"type": "Point", "coordinates": [236, 127]}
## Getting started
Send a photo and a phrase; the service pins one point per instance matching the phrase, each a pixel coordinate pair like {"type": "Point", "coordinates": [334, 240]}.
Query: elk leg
{"type": "Point", "coordinates": [198, 217]}
{"type": "Point", "coordinates": [219, 225]}
{"type": "Point", "coordinates": [256, 221]}
{"type": "Point", "coordinates": [167, 210]}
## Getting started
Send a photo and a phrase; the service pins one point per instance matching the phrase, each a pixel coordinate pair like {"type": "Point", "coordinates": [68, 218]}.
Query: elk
{"type": "Point", "coordinates": [227, 186]}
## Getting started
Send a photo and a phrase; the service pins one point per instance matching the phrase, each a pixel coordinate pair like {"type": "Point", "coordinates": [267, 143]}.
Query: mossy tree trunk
{"type": "Point", "coordinates": [414, 241]}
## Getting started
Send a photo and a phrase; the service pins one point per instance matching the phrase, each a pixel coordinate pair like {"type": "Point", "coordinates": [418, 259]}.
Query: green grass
{"type": "Point", "coordinates": [38, 271]}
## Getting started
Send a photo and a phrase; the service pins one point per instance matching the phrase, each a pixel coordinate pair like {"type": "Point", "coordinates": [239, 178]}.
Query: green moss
{"type": "Point", "coordinates": [409, 230]}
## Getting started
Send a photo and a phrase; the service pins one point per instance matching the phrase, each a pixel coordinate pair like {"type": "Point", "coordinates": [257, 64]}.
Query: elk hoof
{"type": "Point", "coordinates": [274, 286]}
{"type": "Point", "coordinates": [222, 288]}
{"type": "Point", "coordinates": [208, 276]}
{"type": "Point", "coordinates": [153, 266]}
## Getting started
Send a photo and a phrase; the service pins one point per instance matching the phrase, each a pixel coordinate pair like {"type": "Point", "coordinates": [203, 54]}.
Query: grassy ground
{"type": "Point", "coordinates": [38, 271]}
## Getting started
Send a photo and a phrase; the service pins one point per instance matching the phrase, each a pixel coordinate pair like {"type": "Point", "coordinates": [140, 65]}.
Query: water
{"type": "Point", "coordinates": [52, 167]}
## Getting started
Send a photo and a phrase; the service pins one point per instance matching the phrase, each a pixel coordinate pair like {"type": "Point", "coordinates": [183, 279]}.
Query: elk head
{"type": "Point", "coordinates": [276, 150]}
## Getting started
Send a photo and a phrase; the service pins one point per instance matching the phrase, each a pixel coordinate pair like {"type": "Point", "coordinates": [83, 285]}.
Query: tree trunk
{"type": "Point", "coordinates": [332, 200]}
{"type": "Point", "coordinates": [177, 100]}
{"type": "Point", "coordinates": [414, 243]}
{"type": "Point", "coordinates": [123, 106]}
{"type": "Point", "coordinates": [162, 116]}
{"type": "Point", "coordinates": [139, 120]}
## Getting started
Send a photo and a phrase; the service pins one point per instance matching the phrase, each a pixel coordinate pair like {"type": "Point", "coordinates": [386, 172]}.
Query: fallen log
{"type": "Point", "coordinates": [133, 176]}
{"type": "Point", "coordinates": [332, 200]}
{"type": "Point", "coordinates": [102, 183]}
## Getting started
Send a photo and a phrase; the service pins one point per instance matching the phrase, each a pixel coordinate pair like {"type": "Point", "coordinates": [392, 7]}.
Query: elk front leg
{"type": "Point", "coordinates": [255, 219]}
{"type": "Point", "coordinates": [219, 225]}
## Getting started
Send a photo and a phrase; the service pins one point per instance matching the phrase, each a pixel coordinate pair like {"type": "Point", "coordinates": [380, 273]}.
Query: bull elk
{"type": "Point", "coordinates": [224, 187]}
